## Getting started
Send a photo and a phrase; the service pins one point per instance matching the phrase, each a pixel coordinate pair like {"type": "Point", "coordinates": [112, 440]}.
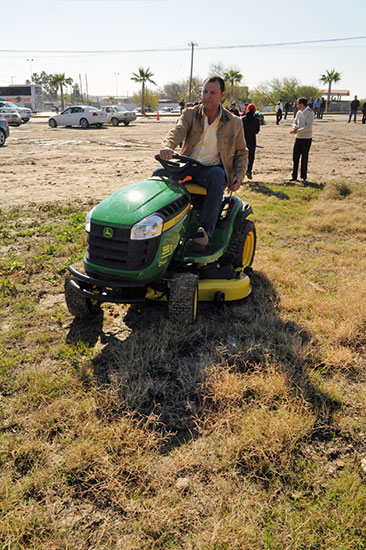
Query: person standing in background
{"type": "Point", "coordinates": [303, 129]}
{"type": "Point", "coordinates": [295, 109]}
{"type": "Point", "coordinates": [322, 108]}
{"type": "Point", "coordinates": [244, 111]}
{"type": "Point", "coordinates": [364, 113]}
{"type": "Point", "coordinates": [355, 104]}
{"type": "Point", "coordinates": [251, 128]}
{"type": "Point", "coordinates": [287, 108]}
{"type": "Point", "coordinates": [234, 110]}
{"type": "Point", "coordinates": [316, 108]}
{"type": "Point", "coordinates": [279, 110]}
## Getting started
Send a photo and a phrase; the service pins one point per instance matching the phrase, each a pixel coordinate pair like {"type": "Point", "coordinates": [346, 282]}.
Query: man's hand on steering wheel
{"type": "Point", "coordinates": [166, 153]}
{"type": "Point", "coordinates": [235, 184]}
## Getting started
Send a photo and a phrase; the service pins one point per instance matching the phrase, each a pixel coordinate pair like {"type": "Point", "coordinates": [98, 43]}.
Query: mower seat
{"type": "Point", "coordinates": [195, 189]}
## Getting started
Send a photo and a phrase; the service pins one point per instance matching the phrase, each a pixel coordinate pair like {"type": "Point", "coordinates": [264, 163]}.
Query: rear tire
{"type": "Point", "coordinates": [2, 137]}
{"type": "Point", "coordinates": [84, 123]}
{"type": "Point", "coordinates": [115, 121]}
{"type": "Point", "coordinates": [241, 249]}
{"type": "Point", "coordinates": [183, 298]}
{"type": "Point", "coordinates": [52, 123]}
{"type": "Point", "coordinates": [78, 305]}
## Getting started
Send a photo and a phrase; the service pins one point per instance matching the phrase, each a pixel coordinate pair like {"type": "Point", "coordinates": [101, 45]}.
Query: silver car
{"type": "Point", "coordinates": [24, 112]}
{"type": "Point", "coordinates": [11, 115]}
{"type": "Point", "coordinates": [4, 131]}
{"type": "Point", "coordinates": [117, 114]}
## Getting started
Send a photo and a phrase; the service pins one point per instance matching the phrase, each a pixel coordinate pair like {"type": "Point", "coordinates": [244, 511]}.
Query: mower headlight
{"type": "Point", "coordinates": [88, 220]}
{"type": "Point", "coordinates": [147, 229]}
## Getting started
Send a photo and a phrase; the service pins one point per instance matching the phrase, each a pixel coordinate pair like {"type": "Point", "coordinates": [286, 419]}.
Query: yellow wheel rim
{"type": "Point", "coordinates": [248, 249]}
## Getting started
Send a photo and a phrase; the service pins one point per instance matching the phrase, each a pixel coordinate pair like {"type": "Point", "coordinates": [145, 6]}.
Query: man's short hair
{"type": "Point", "coordinates": [303, 100]}
{"type": "Point", "coordinates": [218, 79]}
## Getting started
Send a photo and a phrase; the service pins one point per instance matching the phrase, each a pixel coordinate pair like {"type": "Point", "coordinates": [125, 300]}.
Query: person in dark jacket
{"type": "Point", "coordinates": [355, 104]}
{"type": "Point", "coordinates": [364, 113]}
{"type": "Point", "coordinates": [251, 128]}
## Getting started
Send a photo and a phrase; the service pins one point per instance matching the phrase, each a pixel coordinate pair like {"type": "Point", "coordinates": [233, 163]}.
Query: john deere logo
{"type": "Point", "coordinates": [108, 232]}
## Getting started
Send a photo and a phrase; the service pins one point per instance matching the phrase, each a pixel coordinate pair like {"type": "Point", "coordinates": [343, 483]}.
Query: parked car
{"type": "Point", "coordinates": [117, 114]}
{"type": "Point", "coordinates": [4, 131]}
{"type": "Point", "coordinates": [24, 112]}
{"type": "Point", "coordinates": [138, 110]}
{"type": "Point", "coordinates": [11, 115]}
{"type": "Point", "coordinates": [79, 115]}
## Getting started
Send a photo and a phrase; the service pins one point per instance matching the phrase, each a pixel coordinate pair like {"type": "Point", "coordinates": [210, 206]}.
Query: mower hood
{"type": "Point", "coordinates": [131, 204]}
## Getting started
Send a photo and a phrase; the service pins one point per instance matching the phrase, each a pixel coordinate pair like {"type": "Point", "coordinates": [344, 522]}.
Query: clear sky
{"type": "Point", "coordinates": [31, 29]}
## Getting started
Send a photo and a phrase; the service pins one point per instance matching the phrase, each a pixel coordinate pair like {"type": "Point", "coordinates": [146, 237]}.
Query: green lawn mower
{"type": "Point", "coordinates": [140, 248]}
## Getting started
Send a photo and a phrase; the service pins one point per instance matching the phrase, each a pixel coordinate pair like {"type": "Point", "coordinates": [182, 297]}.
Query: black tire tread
{"type": "Point", "coordinates": [233, 255]}
{"type": "Point", "coordinates": [78, 306]}
{"type": "Point", "coordinates": [181, 299]}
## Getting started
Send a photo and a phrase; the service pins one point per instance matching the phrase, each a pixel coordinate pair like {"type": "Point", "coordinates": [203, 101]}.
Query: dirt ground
{"type": "Point", "coordinates": [40, 164]}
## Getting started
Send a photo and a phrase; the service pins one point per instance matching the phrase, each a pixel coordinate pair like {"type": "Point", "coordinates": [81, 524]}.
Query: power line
{"type": "Point", "coordinates": [184, 48]}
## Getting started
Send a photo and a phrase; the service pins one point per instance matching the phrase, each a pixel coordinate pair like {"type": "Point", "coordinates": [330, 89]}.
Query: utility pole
{"type": "Point", "coordinates": [116, 75]}
{"type": "Point", "coordinates": [30, 67]}
{"type": "Point", "coordinates": [86, 87]}
{"type": "Point", "coordinates": [12, 79]}
{"type": "Point", "coordinates": [192, 44]}
{"type": "Point", "coordinates": [81, 88]}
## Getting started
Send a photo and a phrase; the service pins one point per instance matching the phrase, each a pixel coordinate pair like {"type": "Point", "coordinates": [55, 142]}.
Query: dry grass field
{"type": "Point", "coordinates": [246, 431]}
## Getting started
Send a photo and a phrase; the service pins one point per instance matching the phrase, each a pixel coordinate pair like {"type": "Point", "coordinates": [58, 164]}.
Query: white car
{"type": "Point", "coordinates": [117, 114]}
{"type": "Point", "coordinates": [24, 112]}
{"type": "Point", "coordinates": [11, 115]}
{"type": "Point", "coordinates": [79, 115]}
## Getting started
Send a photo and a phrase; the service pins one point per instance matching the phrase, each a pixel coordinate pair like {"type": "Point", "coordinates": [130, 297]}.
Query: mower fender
{"type": "Point", "coordinates": [245, 211]}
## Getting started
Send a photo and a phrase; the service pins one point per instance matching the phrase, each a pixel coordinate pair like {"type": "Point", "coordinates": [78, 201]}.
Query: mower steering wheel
{"type": "Point", "coordinates": [177, 167]}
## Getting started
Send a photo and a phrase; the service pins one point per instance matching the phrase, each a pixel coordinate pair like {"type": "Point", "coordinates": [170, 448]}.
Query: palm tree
{"type": "Point", "coordinates": [143, 77]}
{"type": "Point", "coordinates": [59, 81]}
{"type": "Point", "coordinates": [234, 77]}
{"type": "Point", "coordinates": [328, 78]}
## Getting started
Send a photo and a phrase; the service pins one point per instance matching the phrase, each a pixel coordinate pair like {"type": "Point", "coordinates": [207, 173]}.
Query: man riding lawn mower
{"type": "Point", "coordinates": [173, 236]}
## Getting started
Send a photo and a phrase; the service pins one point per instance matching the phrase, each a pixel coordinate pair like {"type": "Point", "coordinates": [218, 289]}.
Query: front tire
{"type": "Point", "coordinates": [52, 123]}
{"type": "Point", "coordinates": [84, 123]}
{"type": "Point", "coordinates": [183, 298]}
{"type": "Point", "coordinates": [241, 249]}
{"type": "Point", "coordinates": [115, 121]}
{"type": "Point", "coordinates": [78, 305]}
{"type": "Point", "coordinates": [126, 123]}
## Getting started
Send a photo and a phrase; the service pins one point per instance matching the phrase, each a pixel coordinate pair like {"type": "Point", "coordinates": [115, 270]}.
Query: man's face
{"type": "Point", "coordinates": [300, 106]}
{"type": "Point", "coordinates": [212, 95]}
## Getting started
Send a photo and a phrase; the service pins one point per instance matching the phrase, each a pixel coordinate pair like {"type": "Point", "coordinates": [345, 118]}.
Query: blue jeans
{"type": "Point", "coordinates": [354, 113]}
{"type": "Point", "coordinates": [214, 180]}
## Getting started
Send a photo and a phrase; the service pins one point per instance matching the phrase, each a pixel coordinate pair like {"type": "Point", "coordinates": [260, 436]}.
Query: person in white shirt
{"type": "Point", "coordinates": [303, 129]}
{"type": "Point", "coordinates": [279, 111]}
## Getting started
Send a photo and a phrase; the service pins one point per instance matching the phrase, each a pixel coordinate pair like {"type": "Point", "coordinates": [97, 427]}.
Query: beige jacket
{"type": "Point", "coordinates": [230, 139]}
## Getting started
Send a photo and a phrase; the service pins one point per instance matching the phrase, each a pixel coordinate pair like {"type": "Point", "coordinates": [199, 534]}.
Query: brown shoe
{"type": "Point", "coordinates": [200, 238]}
